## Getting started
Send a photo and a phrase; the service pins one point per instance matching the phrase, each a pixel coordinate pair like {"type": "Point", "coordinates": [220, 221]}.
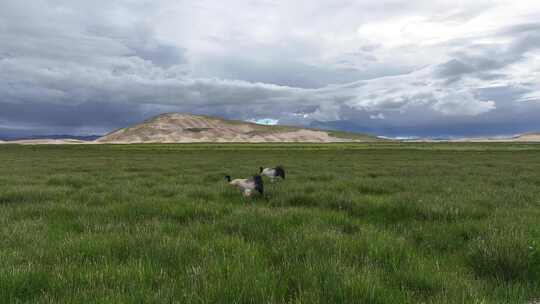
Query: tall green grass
{"type": "Point", "coordinates": [353, 223]}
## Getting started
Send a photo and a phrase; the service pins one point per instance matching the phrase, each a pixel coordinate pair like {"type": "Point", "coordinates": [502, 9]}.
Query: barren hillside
{"type": "Point", "coordinates": [187, 128]}
{"type": "Point", "coordinates": [528, 137]}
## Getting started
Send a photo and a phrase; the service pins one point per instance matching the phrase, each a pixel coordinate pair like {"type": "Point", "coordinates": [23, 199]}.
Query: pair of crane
{"type": "Point", "coordinates": [254, 184]}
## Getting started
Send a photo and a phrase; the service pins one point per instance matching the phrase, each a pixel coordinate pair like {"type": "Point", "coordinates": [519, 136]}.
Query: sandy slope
{"type": "Point", "coordinates": [532, 137]}
{"type": "Point", "coordinates": [519, 138]}
{"type": "Point", "coordinates": [529, 137]}
{"type": "Point", "coordinates": [187, 128]}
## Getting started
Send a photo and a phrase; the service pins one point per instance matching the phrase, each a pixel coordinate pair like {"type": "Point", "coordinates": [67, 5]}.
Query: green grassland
{"type": "Point", "coordinates": [353, 223]}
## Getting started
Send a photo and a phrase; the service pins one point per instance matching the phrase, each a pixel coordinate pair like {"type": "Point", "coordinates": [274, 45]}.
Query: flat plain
{"type": "Point", "coordinates": [352, 223]}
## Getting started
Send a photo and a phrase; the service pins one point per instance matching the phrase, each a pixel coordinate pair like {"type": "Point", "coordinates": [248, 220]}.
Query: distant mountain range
{"type": "Point", "coordinates": [188, 128]}
{"type": "Point", "coordinates": [54, 136]}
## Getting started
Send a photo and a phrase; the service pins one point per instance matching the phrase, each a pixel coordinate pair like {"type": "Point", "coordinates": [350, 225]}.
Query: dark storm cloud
{"type": "Point", "coordinates": [161, 55]}
{"type": "Point", "coordinates": [500, 121]}
{"type": "Point", "coordinates": [454, 68]}
{"type": "Point", "coordinates": [89, 67]}
{"type": "Point", "coordinates": [106, 115]}
{"type": "Point", "coordinates": [478, 58]}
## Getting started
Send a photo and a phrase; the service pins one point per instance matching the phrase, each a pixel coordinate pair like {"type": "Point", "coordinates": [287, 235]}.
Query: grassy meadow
{"type": "Point", "coordinates": [352, 223]}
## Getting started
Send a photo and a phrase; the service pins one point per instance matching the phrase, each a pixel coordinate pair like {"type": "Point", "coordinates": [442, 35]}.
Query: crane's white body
{"type": "Point", "coordinates": [270, 173]}
{"type": "Point", "coordinates": [246, 186]}
{"type": "Point", "coordinates": [273, 173]}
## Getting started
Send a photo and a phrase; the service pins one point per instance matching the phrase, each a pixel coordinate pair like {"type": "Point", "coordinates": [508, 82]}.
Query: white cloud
{"type": "Point", "coordinates": [462, 104]}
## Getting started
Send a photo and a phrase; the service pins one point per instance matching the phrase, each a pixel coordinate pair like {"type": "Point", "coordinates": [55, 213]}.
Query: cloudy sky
{"type": "Point", "coordinates": [387, 67]}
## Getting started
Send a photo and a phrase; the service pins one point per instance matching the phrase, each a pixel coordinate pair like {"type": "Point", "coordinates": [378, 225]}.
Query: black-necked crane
{"type": "Point", "coordinates": [273, 173]}
{"type": "Point", "coordinates": [247, 185]}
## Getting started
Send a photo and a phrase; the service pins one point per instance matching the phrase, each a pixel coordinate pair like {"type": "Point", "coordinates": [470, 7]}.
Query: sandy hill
{"type": "Point", "coordinates": [528, 137]}
{"type": "Point", "coordinates": [187, 128]}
